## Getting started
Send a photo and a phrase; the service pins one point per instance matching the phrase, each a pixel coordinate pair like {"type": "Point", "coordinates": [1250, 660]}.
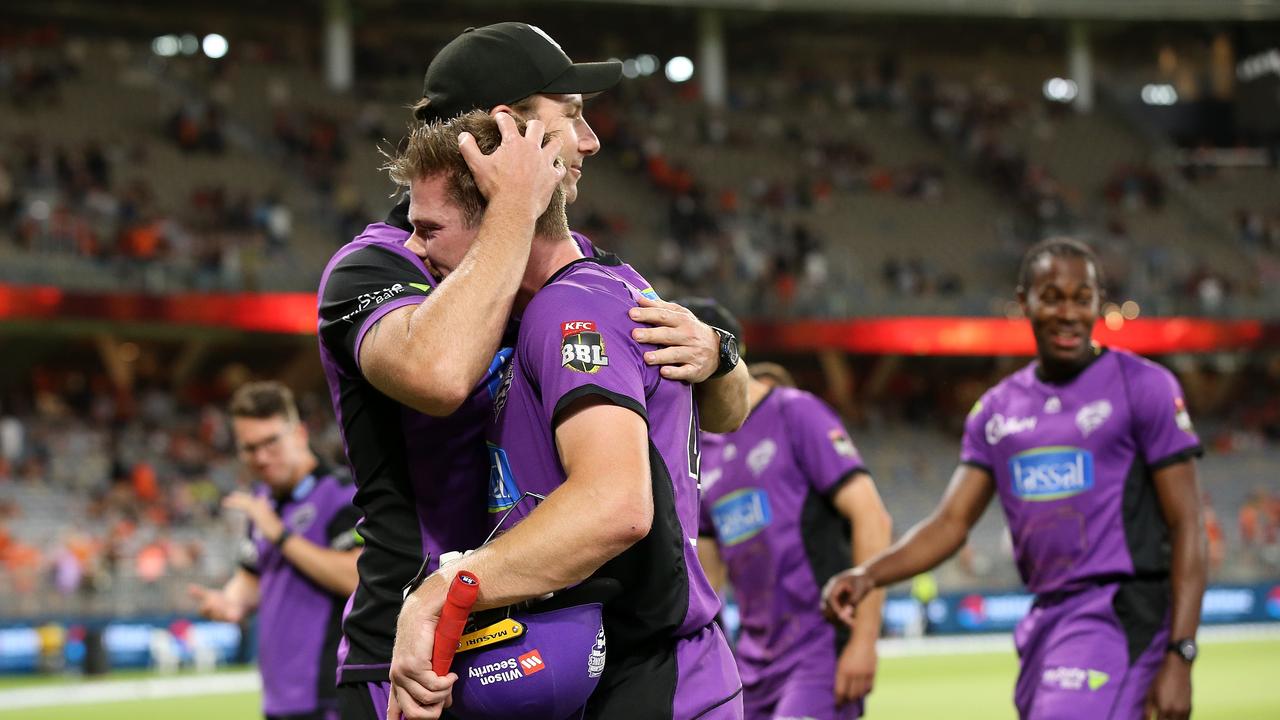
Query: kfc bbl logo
{"type": "Point", "coordinates": [582, 348]}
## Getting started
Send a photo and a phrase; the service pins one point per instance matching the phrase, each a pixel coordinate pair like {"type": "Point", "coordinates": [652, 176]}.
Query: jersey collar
{"type": "Point", "coordinates": [1063, 382]}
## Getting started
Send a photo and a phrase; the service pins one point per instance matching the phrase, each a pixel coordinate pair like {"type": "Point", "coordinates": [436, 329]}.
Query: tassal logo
{"type": "Point", "coordinates": [1051, 473]}
{"type": "Point", "coordinates": [741, 515]}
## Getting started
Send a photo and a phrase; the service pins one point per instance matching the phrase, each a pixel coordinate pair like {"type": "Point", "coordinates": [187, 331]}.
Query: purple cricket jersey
{"type": "Point", "coordinates": [1073, 464]}
{"type": "Point", "coordinates": [766, 500]}
{"type": "Point", "coordinates": [420, 479]}
{"type": "Point", "coordinates": [299, 621]}
{"type": "Point", "coordinates": [666, 658]}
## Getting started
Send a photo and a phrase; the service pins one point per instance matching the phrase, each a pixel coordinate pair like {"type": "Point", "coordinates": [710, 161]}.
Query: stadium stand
{"type": "Point", "coordinates": [902, 182]}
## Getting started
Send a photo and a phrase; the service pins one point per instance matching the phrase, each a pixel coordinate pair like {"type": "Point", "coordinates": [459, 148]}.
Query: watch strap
{"type": "Point", "coordinates": [728, 360]}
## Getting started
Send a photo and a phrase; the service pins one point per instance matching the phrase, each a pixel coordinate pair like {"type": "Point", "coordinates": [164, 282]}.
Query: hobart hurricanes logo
{"type": "Point", "coordinates": [595, 661]}
{"type": "Point", "coordinates": [1092, 416]}
{"type": "Point", "coordinates": [1051, 473]}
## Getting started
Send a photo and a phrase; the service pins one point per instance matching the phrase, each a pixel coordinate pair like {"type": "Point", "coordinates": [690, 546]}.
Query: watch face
{"type": "Point", "coordinates": [1188, 650]}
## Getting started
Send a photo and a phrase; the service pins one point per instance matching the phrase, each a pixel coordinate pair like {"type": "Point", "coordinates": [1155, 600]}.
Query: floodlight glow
{"type": "Point", "coordinates": [679, 69]}
{"type": "Point", "coordinates": [647, 64]}
{"type": "Point", "coordinates": [1159, 95]}
{"type": "Point", "coordinates": [215, 46]}
{"type": "Point", "coordinates": [1060, 90]}
{"type": "Point", "coordinates": [165, 45]}
{"type": "Point", "coordinates": [190, 44]}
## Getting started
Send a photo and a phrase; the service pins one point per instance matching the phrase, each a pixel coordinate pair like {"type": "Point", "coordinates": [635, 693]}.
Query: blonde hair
{"type": "Point", "coordinates": [431, 150]}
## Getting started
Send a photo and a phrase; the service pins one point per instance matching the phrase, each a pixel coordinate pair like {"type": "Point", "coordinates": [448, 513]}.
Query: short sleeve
{"type": "Point", "coordinates": [1162, 425]}
{"type": "Point", "coordinates": [974, 448]}
{"type": "Point", "coordinates": [359, 289]}
{"type": "Point", "coordinates": [824, 451]}
{"type": "Point", "coordinates": [576, 341]}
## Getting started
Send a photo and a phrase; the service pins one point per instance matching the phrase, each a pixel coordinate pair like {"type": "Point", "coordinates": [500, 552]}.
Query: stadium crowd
{"type": "Point", "coordinates": [105, 494]}
{"type": "Point", "coordinates": [102, 494]}
{"type": "Point", "coordinates": [750, 237]}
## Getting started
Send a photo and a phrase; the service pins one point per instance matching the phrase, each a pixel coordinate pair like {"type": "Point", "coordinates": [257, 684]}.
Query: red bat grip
{"type": "Point", "coordinates": [453, 618]}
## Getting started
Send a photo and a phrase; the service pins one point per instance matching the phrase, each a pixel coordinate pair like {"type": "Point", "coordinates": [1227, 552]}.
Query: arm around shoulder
{"type": "Point", "coordinates": [395, 359]}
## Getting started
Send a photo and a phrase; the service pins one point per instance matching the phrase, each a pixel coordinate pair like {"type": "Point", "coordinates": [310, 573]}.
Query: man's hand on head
{"type": "Point", "coordinates": [521, 168]}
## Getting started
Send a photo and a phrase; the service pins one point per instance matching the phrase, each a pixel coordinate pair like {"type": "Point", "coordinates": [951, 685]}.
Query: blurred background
{"type": "Point", "coordinates": [857, 179]}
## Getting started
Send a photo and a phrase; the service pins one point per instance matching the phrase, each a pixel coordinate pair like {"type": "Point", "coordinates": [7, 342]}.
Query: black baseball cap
{"type": "Point", "coordinates": [501, 64]}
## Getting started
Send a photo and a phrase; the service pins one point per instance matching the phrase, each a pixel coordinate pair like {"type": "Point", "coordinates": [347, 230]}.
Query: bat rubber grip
{"type": "Point", "coordinates": [453, 619]}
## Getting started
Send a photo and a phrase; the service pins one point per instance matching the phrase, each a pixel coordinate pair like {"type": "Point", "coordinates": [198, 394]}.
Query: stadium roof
{"type": "Point", "coordinates": [1065, 9]}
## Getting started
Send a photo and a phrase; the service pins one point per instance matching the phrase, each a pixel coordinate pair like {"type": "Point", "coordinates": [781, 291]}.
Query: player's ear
{"type": "Point", "coordinates": [1022, 300]}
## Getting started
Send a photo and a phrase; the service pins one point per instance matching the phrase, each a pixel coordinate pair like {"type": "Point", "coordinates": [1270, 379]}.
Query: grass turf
{"type": "Point", "coordinates": [195, 707]}
{"type": "Point", "coordinates": [1232, 680]}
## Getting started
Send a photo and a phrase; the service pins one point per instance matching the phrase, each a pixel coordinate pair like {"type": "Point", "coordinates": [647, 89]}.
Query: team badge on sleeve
{"type": "Point", "coordinates": [1181, 417]}
{"type": "Point", "coordinates": [581, 347]}
{"type": "Point", "coordinates": [841, 443]}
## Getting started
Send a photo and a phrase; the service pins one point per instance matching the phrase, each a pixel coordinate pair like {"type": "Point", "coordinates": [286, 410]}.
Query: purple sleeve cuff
{"type": "Point", "coordinates": [377, 315]}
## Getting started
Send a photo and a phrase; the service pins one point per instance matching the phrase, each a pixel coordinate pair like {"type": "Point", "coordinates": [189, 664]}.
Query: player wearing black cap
{"type": "Point", "coordinates": [413, 362]}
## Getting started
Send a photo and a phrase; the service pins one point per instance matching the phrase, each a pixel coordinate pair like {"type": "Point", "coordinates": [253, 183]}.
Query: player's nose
{"type": "Point", "coordinates": [588, 142]}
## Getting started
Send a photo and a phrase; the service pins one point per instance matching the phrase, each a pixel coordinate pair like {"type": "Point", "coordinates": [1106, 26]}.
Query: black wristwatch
{"type": "Point", "coordinates": [1185, 648]}
{"type": "Point", "coordinates": [728, 353]}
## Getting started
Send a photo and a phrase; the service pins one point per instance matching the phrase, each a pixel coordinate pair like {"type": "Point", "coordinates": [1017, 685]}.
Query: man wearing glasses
{"type": "Point", "coordinates": [298, 564]}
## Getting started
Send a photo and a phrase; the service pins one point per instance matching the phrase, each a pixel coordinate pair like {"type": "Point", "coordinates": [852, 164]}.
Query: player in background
{"type": "Point", "coordinates": [1091, 453]}
{"type": "Point", "coordinates": [783, 499]}
{"type": "Point", "coordinates": [582, 419]}
{"type": "Point", "coordinates": [413, 363]}
{"type": "Point", "coordinates": [298, 564]}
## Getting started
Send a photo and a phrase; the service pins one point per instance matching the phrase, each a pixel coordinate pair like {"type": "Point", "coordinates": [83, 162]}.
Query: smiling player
{"type": "Point", "coordinates": [1091, 453]}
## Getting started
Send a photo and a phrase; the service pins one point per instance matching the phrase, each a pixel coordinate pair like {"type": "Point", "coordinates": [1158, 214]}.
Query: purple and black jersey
{"type": "Point", "coordinates": [766, 500]}
{"type": "Point", "coordinates": [665, 657]}
{"type": "Point", "coordinates": [420, 479]}
{"type": "Point", "coordinates": [299, 621]}
{"type": "Point", "coordinates": [1073, 464]}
